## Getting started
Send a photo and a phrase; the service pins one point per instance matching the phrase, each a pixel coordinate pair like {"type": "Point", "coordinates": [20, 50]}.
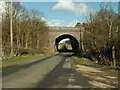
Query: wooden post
{"type": "Point", "coordinates": [113, 56]}
{"type": "Point", "coordinates": [82, 43]}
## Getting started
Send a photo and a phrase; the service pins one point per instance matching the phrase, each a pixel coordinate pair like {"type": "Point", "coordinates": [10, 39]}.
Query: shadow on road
{"type": "Point", "coordinates": [16, 68]}
{"type": "Point", "coordinates": [62, 77]}
{"type": "Point", "coordinates": [52, 77]}
{"type": "Point", "coordinates": [98, 77]}
{"type": "Point", "coordinates": [66, 75]}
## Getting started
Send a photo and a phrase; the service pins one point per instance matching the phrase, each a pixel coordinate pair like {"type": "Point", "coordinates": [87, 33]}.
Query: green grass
{"type": "Point", "coordinates": [7, 62]}
{"type": "Point", "coordinates": [84, 61]}
{"type": "Point", "coordinates": [87, 62]}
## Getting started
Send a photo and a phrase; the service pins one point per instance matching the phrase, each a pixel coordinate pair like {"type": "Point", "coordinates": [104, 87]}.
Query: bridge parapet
{"type": "Point", "coordinates": [70, 29]}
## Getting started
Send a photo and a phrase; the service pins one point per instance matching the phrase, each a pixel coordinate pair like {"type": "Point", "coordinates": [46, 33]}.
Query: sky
{"type": "Point", "coordinates": [66, 12]}
{"type": "Point", "coordinates": [63, 12]}
{"type": "Point", "coordinates": [63, 40]}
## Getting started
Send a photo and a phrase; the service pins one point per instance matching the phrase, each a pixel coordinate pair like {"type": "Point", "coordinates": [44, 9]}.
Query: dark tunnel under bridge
{"type": "Point", "coordinates": [74, 43]}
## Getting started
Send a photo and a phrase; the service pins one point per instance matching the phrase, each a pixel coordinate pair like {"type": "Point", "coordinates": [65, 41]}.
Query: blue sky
{"type": "Point", "coordinates": [65, 12]}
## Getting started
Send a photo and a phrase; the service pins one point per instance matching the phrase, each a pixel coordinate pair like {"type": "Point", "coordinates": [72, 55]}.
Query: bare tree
{"type": "Point", "coordinates": [104, 31]}
{"type": "Point", "coordinates": [28, 29]}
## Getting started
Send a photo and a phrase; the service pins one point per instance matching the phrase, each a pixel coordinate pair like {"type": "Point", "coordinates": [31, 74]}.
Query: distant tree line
{"type": "Point", "coordinates": [29, 30]}
{"type": "Point", "coordinates": [102, 37]}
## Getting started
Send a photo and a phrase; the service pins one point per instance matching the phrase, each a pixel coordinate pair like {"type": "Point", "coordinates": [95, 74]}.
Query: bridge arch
{"type": "Point", "coordinates": [55, 32]}
{"type": "Point", "coordinates": [73, 40]}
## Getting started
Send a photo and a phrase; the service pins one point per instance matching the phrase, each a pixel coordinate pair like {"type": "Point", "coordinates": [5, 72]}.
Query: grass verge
{"type": "Point", "coordinates": [84, 61]}
{"type": "Point", "coordinates": [87, 62]}
{"type": "Point", "coordinates": [8, 62]}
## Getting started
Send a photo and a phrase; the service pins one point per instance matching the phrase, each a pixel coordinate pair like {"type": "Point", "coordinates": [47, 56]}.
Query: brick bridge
{"type": "Point", "coordinates": [56, 34]}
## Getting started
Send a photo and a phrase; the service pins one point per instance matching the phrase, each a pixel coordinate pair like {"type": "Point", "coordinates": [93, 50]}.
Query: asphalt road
{"type": "Point", "coordinates": [57, 71]}
{"type": "Point", "coordinates": [52, 72]}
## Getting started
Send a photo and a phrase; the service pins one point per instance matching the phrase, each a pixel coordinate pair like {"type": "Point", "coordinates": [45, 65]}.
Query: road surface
{"type": "Point", "coordinates": [52, 72]}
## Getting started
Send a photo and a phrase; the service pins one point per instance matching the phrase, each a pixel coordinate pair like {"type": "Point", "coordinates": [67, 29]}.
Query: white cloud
{"type": "Point", "coordinates": [83, 9]}
{"type": "Point", "coordinates": [55, 22]}
{"type": "Point", "coordinates": [44, 19]}
{"type": "Point", "coordinates": [77, 8]}
{"type": "Point", "coordinates": [73, 23]}
{"type": "Point", "coordinates": [65, 5]}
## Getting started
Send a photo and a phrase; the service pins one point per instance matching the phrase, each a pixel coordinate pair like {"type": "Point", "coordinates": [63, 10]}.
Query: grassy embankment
{"type": "Point", "coordinates": [8, 62]}
{"type": "Point", "coordinates": [84, 61]}
{"type": "Point", "coordinates": [87, 62]}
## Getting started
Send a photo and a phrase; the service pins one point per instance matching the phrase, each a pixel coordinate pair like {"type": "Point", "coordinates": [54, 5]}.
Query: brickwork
{"type": "Point", "coordinates": [55, 32]}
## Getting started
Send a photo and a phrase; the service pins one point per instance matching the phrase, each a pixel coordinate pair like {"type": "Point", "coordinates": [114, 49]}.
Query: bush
{"type": "Point", "coordinates": [22, 51]}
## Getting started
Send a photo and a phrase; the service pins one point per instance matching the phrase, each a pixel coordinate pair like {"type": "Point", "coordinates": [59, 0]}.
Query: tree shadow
{"type": "Point", "coordinates": [16, 68]}
{"type": "Point", "coordinates": [99, 78]}
{"type": "Point", "coordinates": [51, 78]}
{"type": "Point", "coordinates": [63, 77]}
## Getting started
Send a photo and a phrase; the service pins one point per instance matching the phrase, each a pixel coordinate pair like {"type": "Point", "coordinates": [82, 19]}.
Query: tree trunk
{"type": "Point", "coordinates": [11, 29]}
{"type": "Point", "coordinates": [110, 31]}
{"type": "Point", "coordinates": [26, 42]}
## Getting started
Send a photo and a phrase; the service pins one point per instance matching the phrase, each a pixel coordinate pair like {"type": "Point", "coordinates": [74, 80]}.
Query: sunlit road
{"type": "Point", "coordinates": [52, 72]}
{"type": "Point", "coordinates": [57, 71]}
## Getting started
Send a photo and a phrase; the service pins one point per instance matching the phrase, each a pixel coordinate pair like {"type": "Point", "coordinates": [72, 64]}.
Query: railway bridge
{"type": "Point", "coordinates": [75, 35]}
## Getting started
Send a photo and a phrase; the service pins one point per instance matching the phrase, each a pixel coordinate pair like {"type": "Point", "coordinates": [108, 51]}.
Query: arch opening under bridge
{"type": "Point", "coordinates": [72, 41]}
